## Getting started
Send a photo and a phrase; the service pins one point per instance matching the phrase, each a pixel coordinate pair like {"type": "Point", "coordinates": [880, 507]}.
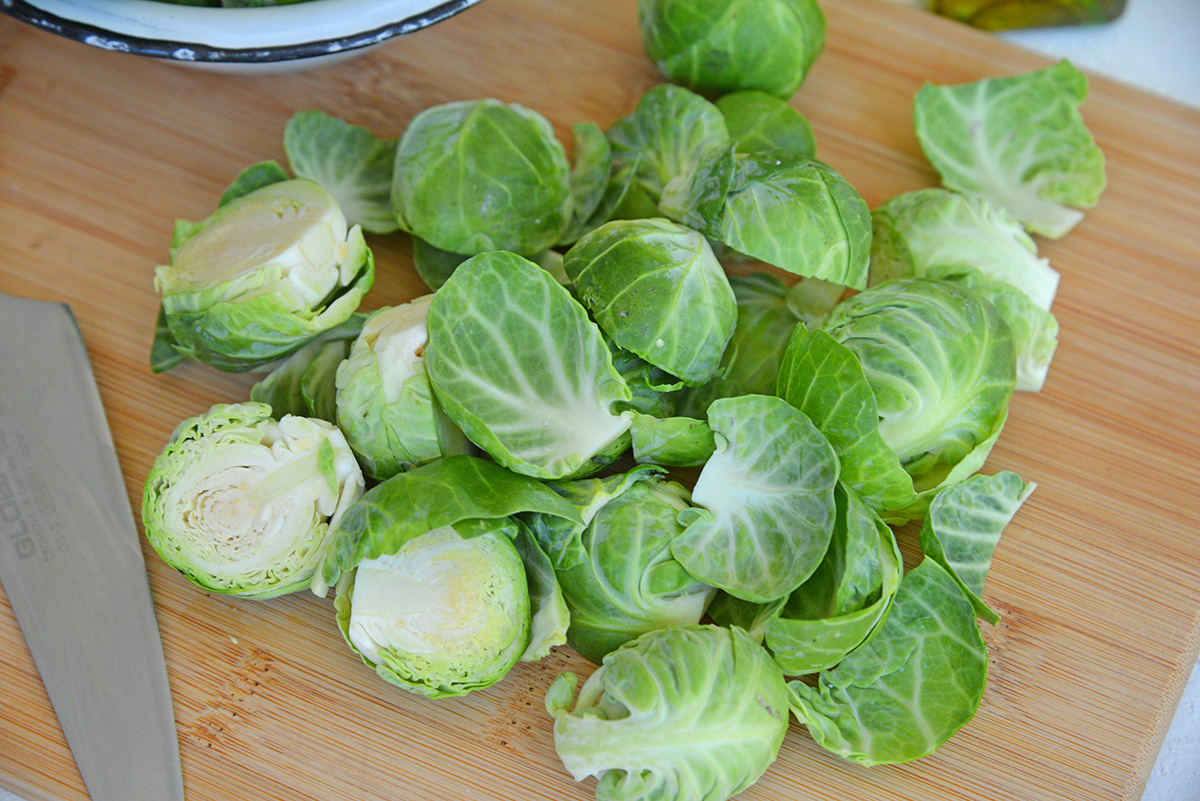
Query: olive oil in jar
{"type": "Point", "coordinates": [999, 15]}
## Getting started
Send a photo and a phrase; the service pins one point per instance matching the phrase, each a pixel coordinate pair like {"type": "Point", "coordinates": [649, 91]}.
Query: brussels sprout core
{"type": "Point", "coordinates": [444, 614]}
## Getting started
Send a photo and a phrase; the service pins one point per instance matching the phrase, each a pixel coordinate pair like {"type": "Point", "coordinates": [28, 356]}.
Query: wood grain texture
{"type": "Point", "coordinates": [1097, 580]}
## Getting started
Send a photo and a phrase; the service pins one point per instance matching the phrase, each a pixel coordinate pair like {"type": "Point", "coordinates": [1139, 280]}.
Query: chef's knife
{"type": "Point", "coordinates": [71, 562]}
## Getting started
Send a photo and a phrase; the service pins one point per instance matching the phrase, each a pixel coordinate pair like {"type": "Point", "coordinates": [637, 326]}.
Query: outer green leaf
{"type": "Point", "coordinates": [256, 176]}
{"type": "Point", "coordinates": [591, 170]}
{"type": "Point", "coordinates": [349, 161]}
{"type": "Point", "coordinates": [658, 291]}
{"type": "Point", "coordinates": [767, 501]}
{"type": "Point", "coordinates": [1019, 141]}
{"type": "Point", "coordinates": [675, 441]}
{"type": "Point", "coordinates": [908, 690]}
{"type": "Point", "coordinates": [163, 355]}
{"type": "Point", "coordinates": [448, 492]}
{"type": "Point", "coordinates": [548, 607]}
{"type": "Point", "coordinates": [303, 383]}
{"type": "Point", "coordinates": [798, 215]}
{"type": "Point", "coordinates": [757, 120]}
{"type": "Point", "coordinates": [519, 367]}
{"type": "Point", "coordinates": [692, 713]}
{"type": "Point", "coordinates": [964, 525]}
{"type": "Point", "coordinates": [653, 390]}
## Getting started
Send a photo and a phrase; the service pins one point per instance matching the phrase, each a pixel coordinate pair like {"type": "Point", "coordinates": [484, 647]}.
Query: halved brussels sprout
{"type": "Point", "coordinates": [244, 504]}
{"type": "Point", "coordinates": [482, 175]}
{"type": "Point", "coordinates": [265, 274]}
{"type": "Point", "coordinates": [384, 403]}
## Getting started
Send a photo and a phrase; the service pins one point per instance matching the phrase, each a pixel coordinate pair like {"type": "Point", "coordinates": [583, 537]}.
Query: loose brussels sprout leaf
{"type": "Point", "coordinates": [264, 275]}
{"type": "Point", "coordinates": [384, 402]}
{"type": "Point", "coordinates": [303, 383]}
{"type": "Point", "coordinates": [658, 291]}
{"type": "Point", "coordinates": [825, 380]}
{"type": "Point", "coordinates": [591, 171]}
{"type": "Point", "coordinates": [454, 491]}
{"type": "Point", "coordinates": [964, 525]}
{"type": "Point", "coordinates": [1034, 330]}
{"type": "Point", "coordinates": [691, 713]}
{"type": "Point", "coordinates": [243, 504]}
{"type": "Point", "coordinates": [616, 572]}
{"type": "Point", "coordinates": [725, 45]}
{"type": "Point", "coordinates": [549, 614]}
{"type": "Point", "coordinates": [482, 175]}
{"type": "Point", "coordinates": [666, 135]}
{"type": "Point", "coordinates": [767, 501]}
{"type": "Point", "coordinates": [839, 607]}
{"type": "Point", "coordinates": [909, 689]}
{"type": "Point", "coordinates": [441, 616]}
{"type": "Point", "coordinates": [623, 199]}
{"type": "Point", "coordinates": [757, 120]}
{"type": "Point", "coordinates": [798, 215]}
{"type": "Point", "coordinates": [256, 176]}
{"type": "Point", "coordinates": [652, 389]}
{"type": "Point", "coordinates": [1018, 141]}
{"type": "Point", "coordinates": [811, 300]}
{"type": "Point", "coordinates": [163, 355]}
{"type": "Point", "coordinates": [434, 265]}
{"type": "Point", "coordinates": [940, 363]}
{"type": "Point", "coordinates": [349, 162]}
{"type": "Point", "coordinates": [519, 367]}
{"type": "Point", "coordinates": [673, 441]}
{"type": "Point", "coordinates": [918, 233]}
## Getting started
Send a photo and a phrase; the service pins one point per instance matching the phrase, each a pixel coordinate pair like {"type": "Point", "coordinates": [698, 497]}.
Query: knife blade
{"type": "Point", "coordinates": [71, 562]}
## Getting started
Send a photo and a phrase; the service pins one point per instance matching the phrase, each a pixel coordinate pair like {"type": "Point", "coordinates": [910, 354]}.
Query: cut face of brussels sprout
{"type": "Point", "coordinates": [482, 175]}
{"type": "Point", "coordinates": [689, 713]}
{"type": "Point", "coordinates": [658, 291]}
{"type": "Point", "coordinates": [243, 504]}
{"type": "Point", "coordinates": [384, 404]}
{"type": "Point", "coordinates": [265, 274]}
{"type": "Point", "coordinates": [519, 367]}
{"type": "Point", "coordinates": [722, 46]}
{"type": "Point", "coordinates": [443, 615]}
{"type": "Point", "coordinates": [1018, 141]}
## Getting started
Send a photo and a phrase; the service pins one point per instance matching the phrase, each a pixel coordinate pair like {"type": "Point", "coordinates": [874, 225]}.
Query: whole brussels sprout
{"type": "Point", "coordinates": [384, 402]}
{"type": "Point", "coordinates": [265, 274]}
{"type": "Point", "coordinates": [244, 504]}
{"type": "Point", "coordinates": [482, 175]}
{"type": "Point", "coordinates": [721, 46]}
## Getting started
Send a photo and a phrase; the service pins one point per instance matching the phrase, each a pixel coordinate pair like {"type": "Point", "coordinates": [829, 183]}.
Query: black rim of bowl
{"type": "Point", "coordinates": [199, 53]}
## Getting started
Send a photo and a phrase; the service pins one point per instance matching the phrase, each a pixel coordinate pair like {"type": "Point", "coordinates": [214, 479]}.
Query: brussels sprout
{"type": "Point", "coordinates": [303, 383]}
{"type": "Point", "coordinates": [616, 571]}
{"type": "Point", "coordinates": [384, 404]}
{"type": "Point", "coordinates": [349, 162]}
{"type": "Point", "coordinates": [665, 136]}
{"type": "Point", "coordinates": [918, 681]}
{"type": "Point", "coordinates": [839, 607]}
{"type": "Point", "coordinates": [269, 271]}
{"type": "Point", "coordinates": [482, 175]}
{"type": "Point", "coordinates": [519, 367]}
{"type": "Point", "coordinates": [244, 504]}
{"type": "Point", "coordinates": [917, 233]}
{"type": "Point", "coordinates": [720, 46]}
{"type": "Point", "coordinates": [671, 441]}
{"type": "Point", "coordinates": [439, 589]}
{"type": "Point", "coordinates": [1018, 141]}
{"type": "Point", "coordinates": [658, 291]}
{"type": "Point", "coordinates": [765, 498]}
{"type": "Point", "coordinates": [760, 121]}
{"type": "Point", "coordinates": [798, 215]}
{"type": "Point", "coordinates": [690, 713]}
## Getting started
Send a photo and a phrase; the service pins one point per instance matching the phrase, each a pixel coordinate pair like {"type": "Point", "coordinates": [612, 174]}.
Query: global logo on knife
{"type": "Point", "coordinates": [13, 526]}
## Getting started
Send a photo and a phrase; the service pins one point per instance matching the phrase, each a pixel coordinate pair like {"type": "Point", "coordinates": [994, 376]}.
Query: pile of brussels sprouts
{"type": "Point", "coordinates": [520, 427]}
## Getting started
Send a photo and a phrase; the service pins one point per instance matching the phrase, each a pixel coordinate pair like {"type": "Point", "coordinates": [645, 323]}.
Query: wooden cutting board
{"type": "Point", "coordinates": [1097, 579]}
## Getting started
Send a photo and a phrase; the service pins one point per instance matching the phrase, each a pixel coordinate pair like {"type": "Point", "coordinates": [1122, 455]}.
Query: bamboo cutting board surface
{"type": "Point", "coordinates": [1097, 580]}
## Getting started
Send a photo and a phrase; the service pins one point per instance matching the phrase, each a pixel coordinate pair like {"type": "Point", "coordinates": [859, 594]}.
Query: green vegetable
{"type": "Point", "coordinates": [658, 291]}
{"type": "Point", "coordinates": [616, 571]}
{"type": "Point", "coordinates": [677, 441]}
{"type": "Point", "coordinates": [916, 683]}
{"type": "Point", "coordinates": [757, 120]}
{"type": "Point", "coordinates": [694, 713]}
{"type": "Point", "coordinates": [796, 214]}
{"type": "Point", "coordinates": [349, 162]}
{"type": "Point", "coordinates": [518, 366]}
{"type": "Point", "coordinates": [303, 383]}
{"type": "Point", "coordinates": [244, 504]}
{"type": "Point", "coordinates": [765, 498]}
{"type": "Point", "coordinates": [1018, 141]}
{"type": "Point", "coordinates": [720, 46]}
{"type": "Point", "coordinates": [384, 403]}
{"type": "Point", "coordinates": [839, 607]}
{"type": "Point", "coordinates": [475, 176]}
{"type": "Point", "coordinates": [268, 272]}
